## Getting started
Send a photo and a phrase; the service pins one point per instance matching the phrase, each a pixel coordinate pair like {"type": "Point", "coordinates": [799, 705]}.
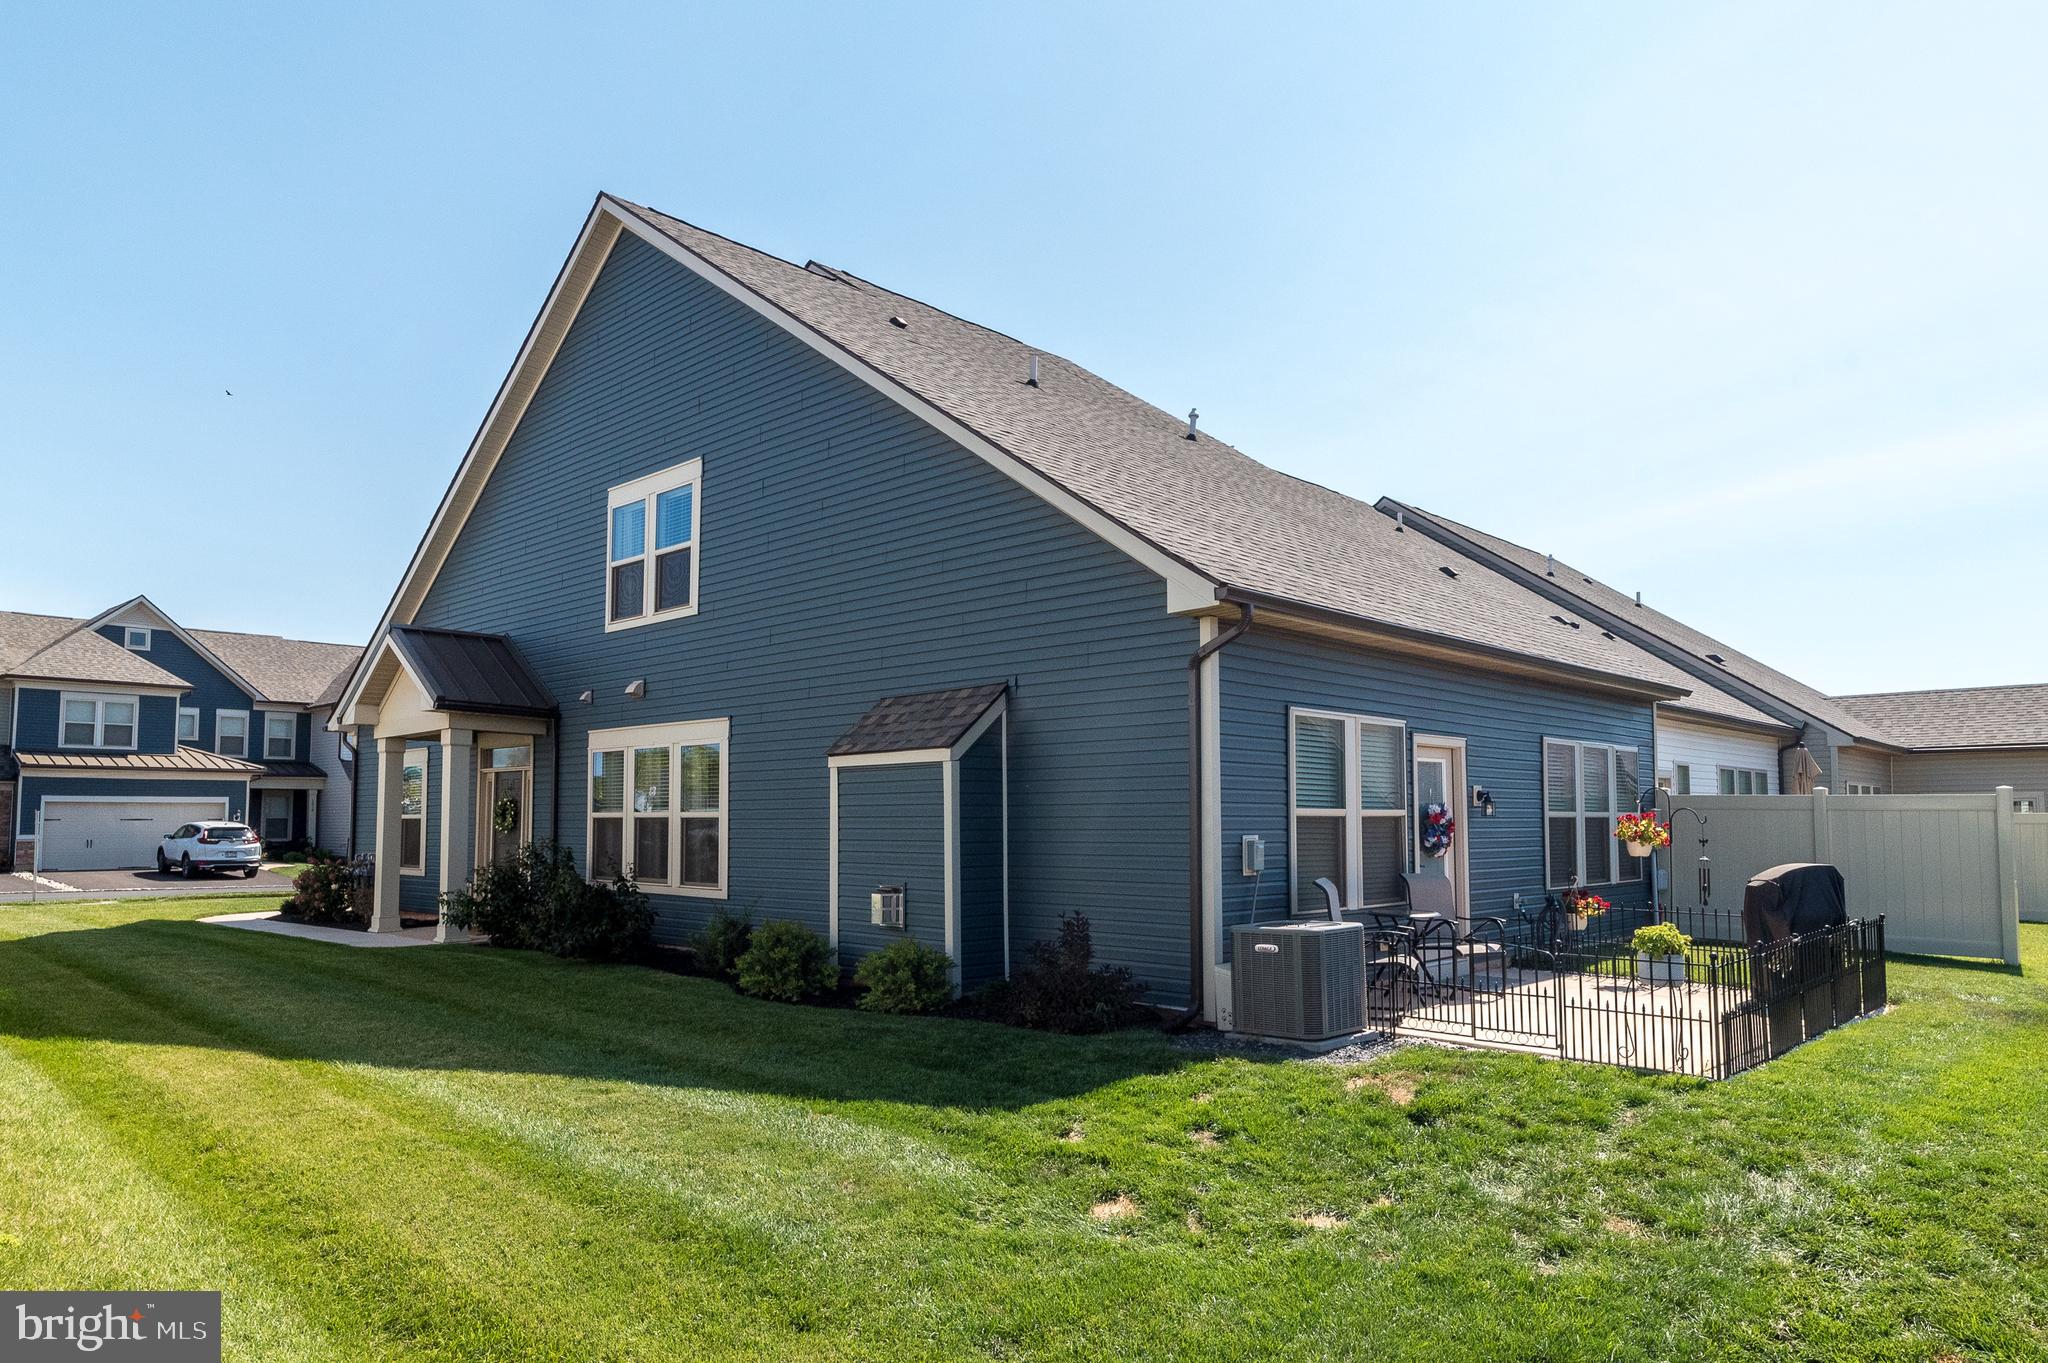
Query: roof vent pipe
{"type": "Point", "coordinates": [1400, 522]}
{"type": "Point", "coordinates": [1639, 598]}
{"type": "Point", "coordinates": [1033, 380]}
{"type": "Point", "coordinates": [1549, 566]}
{"type": "Point", "coordinates": [1193, 417]}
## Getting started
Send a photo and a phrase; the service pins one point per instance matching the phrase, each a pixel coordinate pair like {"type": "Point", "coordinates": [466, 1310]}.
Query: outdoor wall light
{"type": "Point", "coordinates": [1482, 800]}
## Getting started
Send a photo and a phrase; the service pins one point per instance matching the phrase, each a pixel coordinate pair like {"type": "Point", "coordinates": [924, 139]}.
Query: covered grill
{"type": "Point", "coordinates": [1791, 901]}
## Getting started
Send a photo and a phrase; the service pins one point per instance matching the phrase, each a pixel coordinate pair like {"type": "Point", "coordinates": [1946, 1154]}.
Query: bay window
{"type": "Point", "coordinates": [1586, 786]}
{"type": "Point", "coordinates": [1348, 808]}
{"type": "Point", "coordinates": [657, 806]}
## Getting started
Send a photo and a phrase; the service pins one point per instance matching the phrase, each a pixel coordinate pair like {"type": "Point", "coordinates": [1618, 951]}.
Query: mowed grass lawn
{"type": "Point", "coordinates": [462, 1153]}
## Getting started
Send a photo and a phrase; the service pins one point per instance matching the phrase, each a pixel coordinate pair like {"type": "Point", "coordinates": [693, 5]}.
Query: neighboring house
{"type": "Point", "coordinates": [114, 730]}
{"type": "Point", "coordinates": [1758, 753]}
{"type": "Point", "coordinates": [1970, 739]}
{"type": "Point", "coordinates": [790, 594]}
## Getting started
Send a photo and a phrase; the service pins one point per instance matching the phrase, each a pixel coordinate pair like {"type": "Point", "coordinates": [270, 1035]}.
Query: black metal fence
{"type": "Point", "coordinates": [1584, 994]}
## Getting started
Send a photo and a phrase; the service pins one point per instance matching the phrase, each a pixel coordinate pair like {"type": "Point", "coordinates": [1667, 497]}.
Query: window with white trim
{"type": "Point", "coordinates": [135, 639]}
{"type": "Point", "coordinates": [1745, 781]}
{"type": "Point", "coordinates": [651, 536]}
{"type": "Point", "coordinates": [188, 725]}
{"type": "Point", "coordinates": [231, 733]}
{"type": "Point", "coordinates": [412, 813]}
{"type": "Point", "coordinates": [97, 721]}
{"type": "Point", "coordinates": [1348, 808]}
{"type": "Point", "coordinates": [657, 806]}
{"type": "Point", "coordinates": [1586, 786]}
{"type": "Point", "coordinates": [280, 737]}
{"type": "Point", "coordinates": [1862, 788]}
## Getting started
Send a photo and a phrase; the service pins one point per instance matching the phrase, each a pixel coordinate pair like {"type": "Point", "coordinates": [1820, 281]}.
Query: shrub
{"type": "Point", "coordinates": [905, 977]}
{"type": "Point", "coordinates": [1660, 939]}
{"type": "Point", "coordinates": [722, 943]}
{"type": "Point", "coordinates": [787, 962]}
{"type": "Point", "coordinates": [326, 892]}
{"type": "Point", "coordinates": [1061, 989]}
{"type": "Point", "coordinates": [538, 901]}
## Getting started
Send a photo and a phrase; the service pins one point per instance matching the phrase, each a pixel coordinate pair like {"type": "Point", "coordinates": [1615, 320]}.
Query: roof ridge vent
{"type": "Point", "coordinates": [1562, 621]}
{"type": "Point", "coordinates": [1717, 658]}
{"type": "Point", "coordinates": [1447, 570]}
{"type": "Point", "coordinates": [819, 268]}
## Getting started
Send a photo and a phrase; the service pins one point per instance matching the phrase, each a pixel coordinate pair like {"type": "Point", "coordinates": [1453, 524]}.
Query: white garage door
{"type": "Point", "coordinates": [106, 835]}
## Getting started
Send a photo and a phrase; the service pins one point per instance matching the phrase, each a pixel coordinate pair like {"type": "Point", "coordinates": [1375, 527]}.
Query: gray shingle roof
{"type": "Point", "coordinates": [1737, 664]}
{"type": "Point", "coordinates": [1966, 717]}
{"type": "Point", "coordinates": [460, 670]}
{"type": "Point", "coordinates": [294, 671]}
{"type": "Point", "coordinates": [928, 719]}
{"type": "Point", "coordinates": [57, 648]}
{"type": "Point", "coordinates": [1241, 524]}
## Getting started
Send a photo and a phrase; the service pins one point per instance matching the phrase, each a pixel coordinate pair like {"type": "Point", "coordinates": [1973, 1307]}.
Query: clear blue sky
{"type": "Point", "coordinates": [1742, 307]}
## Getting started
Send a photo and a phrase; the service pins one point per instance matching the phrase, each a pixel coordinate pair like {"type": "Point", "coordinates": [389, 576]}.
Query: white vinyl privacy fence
{"type": "Point", "coordinates": [2032, 832]}
{"type": "Point", "coordinates": [1946, 871]}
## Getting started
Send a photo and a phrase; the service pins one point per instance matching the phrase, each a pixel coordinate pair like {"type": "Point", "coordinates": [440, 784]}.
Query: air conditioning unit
{"type": "Point", "coordinates": [1298, 981]}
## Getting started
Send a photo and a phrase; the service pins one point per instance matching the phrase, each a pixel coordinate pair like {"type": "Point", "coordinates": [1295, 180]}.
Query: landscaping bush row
{"type": "Point", "coordinates": [539, 901]}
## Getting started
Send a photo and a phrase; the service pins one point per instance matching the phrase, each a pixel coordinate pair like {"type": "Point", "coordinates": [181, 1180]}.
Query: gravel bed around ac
{"type": "Point", "coordinates": [1369, 1046]}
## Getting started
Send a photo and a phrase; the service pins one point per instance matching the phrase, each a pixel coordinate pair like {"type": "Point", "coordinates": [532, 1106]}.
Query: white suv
{"type": "Point", "coordinates": [195, 847]}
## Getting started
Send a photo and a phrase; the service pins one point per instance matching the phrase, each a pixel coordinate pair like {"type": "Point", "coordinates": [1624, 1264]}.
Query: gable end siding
{"type": "Point", "coordinates": [849, 552]}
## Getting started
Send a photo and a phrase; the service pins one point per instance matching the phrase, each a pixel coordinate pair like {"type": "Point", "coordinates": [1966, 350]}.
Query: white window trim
{"type": "Point", "coordinates": [1354, 811]}
{"type": "Point", "coordinates": [644, 490]}
{"type": "Point", "coordinates": [218, 738]}
{"type": "Point", "coordinates": [128, 633]}
{"type": "Point", "coordinates": [268, 715]}
{"type": "Point", "coordinates": [99, 701]}
{"type": "Point", "coordinates": [183, 712]}
{"type": "Point", "coordinates": [681, 734]}
{"type": "Point", "coordinates": [418, 868]}
{"type": "Point", "coordinates": [1759, 780]}
{"type": "Point", "coordinates": [1618, 859]}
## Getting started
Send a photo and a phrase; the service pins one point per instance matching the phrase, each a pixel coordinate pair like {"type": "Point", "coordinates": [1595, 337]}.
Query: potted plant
{"type": "Point", "coordinates": [1642, 833]}
{"type": "Point", "coordinates": [1580, 906]}
{"type": "Point", "coordinates": [1660, 953]}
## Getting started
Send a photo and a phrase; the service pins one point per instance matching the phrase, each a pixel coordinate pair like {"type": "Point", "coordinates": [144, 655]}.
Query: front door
{"type": "Point", "coordinates": [1439, 785]}
{"type": "Point", "coordinates": [277, 816]}
{"type": "Point", "coordinates": [505, 812]}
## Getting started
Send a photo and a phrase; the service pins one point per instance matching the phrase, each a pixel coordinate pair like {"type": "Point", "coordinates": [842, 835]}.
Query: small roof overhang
{"type": "Point", "coordinates": [183, 762]}
{"type": "Point", "coordinates": [445, 672]}
{"type": "Point", "coordinates": [925, 726]}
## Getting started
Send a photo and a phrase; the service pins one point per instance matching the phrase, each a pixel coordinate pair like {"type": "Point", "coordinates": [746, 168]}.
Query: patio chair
{"type": "Point", "coordinates": [1474, 952]}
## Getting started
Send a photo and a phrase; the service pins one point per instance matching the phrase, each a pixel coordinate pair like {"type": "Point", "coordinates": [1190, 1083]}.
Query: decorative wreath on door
{"type": "Point", "coordinates": [505, 818]}
{"type": "Point", "coordinates": [1438, 828]}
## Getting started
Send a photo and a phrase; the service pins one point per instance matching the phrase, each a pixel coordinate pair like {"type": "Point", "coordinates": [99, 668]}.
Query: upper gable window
{"type": "Point", "coordinates": [651, 538]}
{"type": "Point", "coordinates": [134, 638]}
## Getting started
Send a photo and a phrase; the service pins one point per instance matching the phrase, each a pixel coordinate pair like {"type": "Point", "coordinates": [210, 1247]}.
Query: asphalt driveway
{"type": "Point", "coordinates": [133, 884]}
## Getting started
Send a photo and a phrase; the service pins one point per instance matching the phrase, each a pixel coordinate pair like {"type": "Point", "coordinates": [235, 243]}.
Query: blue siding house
{"type": "Point", "coordinates": [116, 729]}
{"type": "Point", "coordinates": [794, 595]}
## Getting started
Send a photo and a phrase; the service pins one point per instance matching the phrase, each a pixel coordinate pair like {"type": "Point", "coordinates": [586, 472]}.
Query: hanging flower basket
{"type": "Point", "coordinates": [1581, 907]}
{"type": "Point", "coordinates": [1642, 833]}
{"type": "Point", "coordinates": [1439, 826]}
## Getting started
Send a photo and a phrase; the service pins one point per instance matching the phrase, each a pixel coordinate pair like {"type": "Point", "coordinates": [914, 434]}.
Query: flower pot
{"type": "Point", "coordinates": [1661, 969]}
{"type": "Point", "coordinates": [1640, 849]}
{"type": "Point", "coordinates": [1575, 921]}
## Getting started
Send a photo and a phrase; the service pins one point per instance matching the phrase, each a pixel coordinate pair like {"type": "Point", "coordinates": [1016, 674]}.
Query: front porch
{"type": "Point", "coordinates": [456, 723]}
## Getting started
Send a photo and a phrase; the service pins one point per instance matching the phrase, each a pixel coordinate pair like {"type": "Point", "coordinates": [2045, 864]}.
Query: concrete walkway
{"type": "Point", "coordinates": [347, 937]}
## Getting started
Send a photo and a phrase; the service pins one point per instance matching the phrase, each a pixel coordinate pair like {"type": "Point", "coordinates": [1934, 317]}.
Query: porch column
{"type": "Point", "coordinates": [458, 825]}
{"type": "Point", "coordinates": [390, 797]}
{"type": "Point", "coordinates": [311, 832]}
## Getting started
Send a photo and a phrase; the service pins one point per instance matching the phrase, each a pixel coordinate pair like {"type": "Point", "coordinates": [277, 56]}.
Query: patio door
{"type": "Point", "coordinates": [1440, 781]}
{"type": "Point", "coordinates": [504, 799]}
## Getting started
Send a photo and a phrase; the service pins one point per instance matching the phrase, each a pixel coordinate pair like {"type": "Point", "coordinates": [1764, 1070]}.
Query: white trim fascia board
{"type": "Point", "coordinates": [206, 654]}
{"type": "Point", "coordinates": [536, 354]}
{"type": "Point", "coordinates": [1187, 588]}
{"type": "Point", "coordinates": [949, 822]}
{"type": "Point", "coordinates": [980, 726]}
{"type": "Point", "coordinates": [345, 710]}
{"type": "Point", "coordinates": [907, 758]}
{"type": "Point", "coordinates": [24, 682]}
{"type": "Point", "coordinates": [832, 858]}
{"type": "Point", "coordinates": [131, 800]}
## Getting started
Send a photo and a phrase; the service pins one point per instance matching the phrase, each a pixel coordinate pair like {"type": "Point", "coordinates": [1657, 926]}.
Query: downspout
{"type": "Point", "coordinates": [555, 787]}
{"type": "Point", "coordinates": [1198, 964]}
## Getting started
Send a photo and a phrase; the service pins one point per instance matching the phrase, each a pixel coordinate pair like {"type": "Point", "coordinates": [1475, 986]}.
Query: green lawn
{"type": "Point", "coordinates": [460, 1153]}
